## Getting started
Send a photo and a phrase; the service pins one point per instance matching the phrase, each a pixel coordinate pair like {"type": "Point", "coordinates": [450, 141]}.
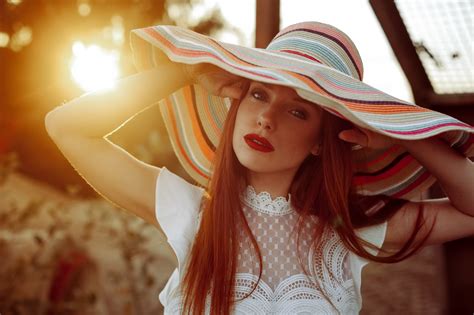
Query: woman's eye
{"type": "Point", "coordinates": [258, 95]}
{"type": "Point", "coordinates": [299, 114]}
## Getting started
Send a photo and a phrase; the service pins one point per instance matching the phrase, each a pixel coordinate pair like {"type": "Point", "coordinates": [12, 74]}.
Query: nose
{"type": "Point", "coordinates": [266, 118]}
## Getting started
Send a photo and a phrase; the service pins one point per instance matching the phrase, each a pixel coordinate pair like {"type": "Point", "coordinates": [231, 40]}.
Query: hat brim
{"type": "Point", "coordinates": [194, 118]}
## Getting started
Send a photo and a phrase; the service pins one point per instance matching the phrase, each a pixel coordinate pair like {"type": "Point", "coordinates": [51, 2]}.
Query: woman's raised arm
{"type": "Point", "coordinates": [453, 217]}
{"type": "Point", "coordinates": [79, 130]}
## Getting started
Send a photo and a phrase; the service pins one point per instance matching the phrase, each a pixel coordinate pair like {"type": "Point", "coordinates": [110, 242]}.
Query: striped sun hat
{"type": "Point", "coordinates": [323, 66]}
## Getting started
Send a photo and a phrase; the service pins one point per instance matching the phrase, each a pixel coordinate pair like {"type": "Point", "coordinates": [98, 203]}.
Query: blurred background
{"type": "Point", "coordinates": [65, 250]}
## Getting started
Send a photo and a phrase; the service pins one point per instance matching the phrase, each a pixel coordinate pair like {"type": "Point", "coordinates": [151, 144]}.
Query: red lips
{"type": "Point", "coordinates": [258, 143]}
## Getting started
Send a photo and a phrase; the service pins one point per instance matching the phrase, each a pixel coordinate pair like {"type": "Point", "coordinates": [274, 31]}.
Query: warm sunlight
{"type": "Point", "coordinates": [93, 67]}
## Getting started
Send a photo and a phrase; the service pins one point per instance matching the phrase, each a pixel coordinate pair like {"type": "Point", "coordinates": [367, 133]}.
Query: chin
{"type": "Point", "coordinates": [253, 162]}
{"type": "Point", "coordinates": [249, 161]}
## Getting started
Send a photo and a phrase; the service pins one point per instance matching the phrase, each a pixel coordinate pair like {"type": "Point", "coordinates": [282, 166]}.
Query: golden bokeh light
{"type": "Point", "coordinates": [84, 9]}
{"type": "Point", "coordinates": [4, 39]}
{"type": "Point", "coordinates": [116, 31]}
{"type": "Point", "coordinates": [94, 68]}
{"type": "Point", "coordinates": [21, 38]}
{"type": "Point", "coordinates": [14, 2]}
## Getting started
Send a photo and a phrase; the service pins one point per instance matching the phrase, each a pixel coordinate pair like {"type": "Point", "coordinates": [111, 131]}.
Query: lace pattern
{"type": "Point", "coordinates": [264, 203]}
{"type": "Point", "coordinates": [295, 295]}
{"type": "Point", "coordinates": [284, 288]}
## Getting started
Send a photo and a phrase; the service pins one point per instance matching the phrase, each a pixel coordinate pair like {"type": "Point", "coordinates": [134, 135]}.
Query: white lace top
{"type": "Point", "coordinates": [283, 288]}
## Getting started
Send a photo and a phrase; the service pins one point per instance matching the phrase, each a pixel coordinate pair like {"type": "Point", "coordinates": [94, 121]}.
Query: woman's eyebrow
{"type": "Point", "coordinates": [300, 100]}
{"type": "Point", "coordinates": [303, 101]}
{"type": "Point", "coordinates": [266, 85]}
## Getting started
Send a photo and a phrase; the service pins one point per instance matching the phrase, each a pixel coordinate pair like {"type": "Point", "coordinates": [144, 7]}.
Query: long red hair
{"type": "Point", "coordinates": [321, 186]}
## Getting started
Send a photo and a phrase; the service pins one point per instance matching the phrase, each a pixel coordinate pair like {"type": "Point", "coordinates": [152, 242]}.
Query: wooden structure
{"type": "Point", "coordinates": [459, 255]}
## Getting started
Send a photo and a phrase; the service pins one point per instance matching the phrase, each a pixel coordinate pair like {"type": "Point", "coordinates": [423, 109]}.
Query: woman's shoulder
{"type": "Point", "coordinates": [177, 197]}
{"type": "Point", "coordinates": [177, 208]}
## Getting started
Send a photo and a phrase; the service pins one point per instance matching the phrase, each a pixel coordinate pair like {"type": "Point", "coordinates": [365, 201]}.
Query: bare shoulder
{"type": "Point", "coordinates": [448, 223]}
{"type": "Point", "coordinates": [114, 173]}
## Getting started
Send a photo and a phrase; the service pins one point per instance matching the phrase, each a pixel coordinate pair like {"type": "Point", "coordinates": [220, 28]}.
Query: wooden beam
{"type": "Point", "coordinates": [267, 22]}
{"type": "Point", "coordinates": [399, 39]}
{"type": "Point", "coordinates": [455, 99]}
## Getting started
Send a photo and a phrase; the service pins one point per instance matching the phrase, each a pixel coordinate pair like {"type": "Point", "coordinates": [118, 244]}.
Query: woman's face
{"type": "Point", "coordinates": [275, 129]}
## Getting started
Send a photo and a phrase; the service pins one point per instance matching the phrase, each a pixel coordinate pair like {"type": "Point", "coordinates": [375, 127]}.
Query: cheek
{"type": "Point", "coordinates": [239, 122]}
{"type": "Point", "coordinates": [302, 142]}
{"type": "Point", "coordinates": [243, 118]}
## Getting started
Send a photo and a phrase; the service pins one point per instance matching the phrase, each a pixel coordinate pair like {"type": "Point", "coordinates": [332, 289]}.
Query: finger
{"type": "Point", "coordinates": [232, 88]}
{"type": "Point", "coordinates": [233, 91]}
{"type": "Point", "coordinates": [354, 136]}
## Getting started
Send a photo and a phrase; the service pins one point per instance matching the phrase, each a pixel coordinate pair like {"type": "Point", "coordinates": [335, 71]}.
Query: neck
{"type": "Point", "coordinates": [276, 183]}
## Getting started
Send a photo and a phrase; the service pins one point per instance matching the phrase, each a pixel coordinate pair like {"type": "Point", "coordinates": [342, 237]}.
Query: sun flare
{"type": "Point", "coordinates": [94, 68]}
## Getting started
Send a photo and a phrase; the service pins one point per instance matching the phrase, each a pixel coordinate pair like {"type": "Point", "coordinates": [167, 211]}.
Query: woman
{"type": "Point", "coordinates": [307, 172]}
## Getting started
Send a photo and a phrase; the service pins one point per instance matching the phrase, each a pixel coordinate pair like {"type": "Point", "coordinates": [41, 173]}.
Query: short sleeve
{"type": "Point", "coordinates": [375, 235]}
{"type": "Point", "coordinates": [177, 206]}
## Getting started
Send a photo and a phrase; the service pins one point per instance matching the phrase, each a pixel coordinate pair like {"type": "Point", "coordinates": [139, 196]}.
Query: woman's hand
{"type": "Point", "coordinates": [216, 80]}
{"type": "Point", "coordinates": [367, 138]}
